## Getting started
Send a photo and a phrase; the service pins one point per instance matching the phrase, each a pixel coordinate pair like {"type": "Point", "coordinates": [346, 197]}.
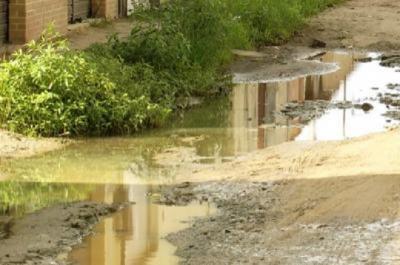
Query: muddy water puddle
{"type": "Point", "coordinates": [134, 235]}
{"type": "Point", "coordinates": [354, 83]}
{"type": "Point", "coordinates": [128, 169]}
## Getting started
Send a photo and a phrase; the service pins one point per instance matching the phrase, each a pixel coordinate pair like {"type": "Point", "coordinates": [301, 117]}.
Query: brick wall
{"type": "Point", "coordinates": [28, 18]}
{"type": "Point", "coordinates": [105, 8]}
{"type": "Point", "coordinates": [17, 21]}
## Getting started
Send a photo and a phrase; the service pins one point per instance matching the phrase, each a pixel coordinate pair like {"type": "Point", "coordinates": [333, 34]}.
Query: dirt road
{"type": "Point", "coordinates": [311, 202]}
{"type": "Point", "coordinates": [343, 220]}
{"type": "Point", "coordinates": [365, 24]}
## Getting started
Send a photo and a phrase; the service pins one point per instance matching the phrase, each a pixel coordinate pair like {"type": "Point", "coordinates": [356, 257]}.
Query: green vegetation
{"type": "Point", "coordinates": [274, 21]}
{"type": "Point", "coordinates": [17, 198]}
{"type": "Point", "coordinates": [50, 90]}
{"type": "Point", "coordinates": [129, 84]}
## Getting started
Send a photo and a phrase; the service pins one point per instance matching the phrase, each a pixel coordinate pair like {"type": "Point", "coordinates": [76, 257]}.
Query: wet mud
{"type": "Point", "coordinates": [46, 236]}
{"type": "Point", "coordinates": [320, 221]}
{"type": "Point", "coordinates": [313, 109]}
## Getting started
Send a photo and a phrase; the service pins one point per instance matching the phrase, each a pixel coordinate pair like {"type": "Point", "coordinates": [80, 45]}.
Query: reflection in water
{"type": "Point", "coordinates": [17, 198]}
{"type": "Point", "coordinates": [111, 169]}
{"type": "Point", "coordinates": [254, 106]}
{"type": "Point", "coordinates": [356, 87]}
{"type": "Point", "coordinates": [220, 130]}
{"type": "Point", "coordinates": [134, 235]}
{"type": "Point", "coordinates": [131, 236]}
{"type": "Point", "coordinates": [256, 127]}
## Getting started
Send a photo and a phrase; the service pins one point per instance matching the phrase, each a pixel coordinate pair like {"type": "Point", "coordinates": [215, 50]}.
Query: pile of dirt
{"type": "Point", "coordinates": [46, 236]}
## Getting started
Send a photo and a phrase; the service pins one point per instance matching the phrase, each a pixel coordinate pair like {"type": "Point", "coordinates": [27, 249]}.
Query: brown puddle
{"type": "Point", "coordinates": [135, 234]}
{"type": "Point", "coordinates": [127, 169]}
{"type": "Point", "coordinates": [254, 105]}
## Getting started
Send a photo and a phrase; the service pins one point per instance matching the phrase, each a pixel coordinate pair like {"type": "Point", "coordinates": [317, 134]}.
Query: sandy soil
{"type": "Point", "coordinates": [277, 63]}
{"type": "Point", "coordinates": [16, 146]}
{"type": "Point", "coordinates": [372, 154]}
{"type": "Point", "coordinates": [365, 24]}
{"type": "Point", "coordinates": [362, 25]}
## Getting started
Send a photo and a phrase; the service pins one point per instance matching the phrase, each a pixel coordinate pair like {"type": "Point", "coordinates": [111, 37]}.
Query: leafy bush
{"type": "Point", "coordinates": [125, 85]}
{"type": "Point", "coordinates": [49, 90]}
{"type": "Point", "coordinates": [165, 55]}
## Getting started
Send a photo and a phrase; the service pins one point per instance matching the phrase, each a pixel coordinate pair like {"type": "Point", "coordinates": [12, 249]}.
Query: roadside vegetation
{"type": "Point", "coordinates": [125, 85]}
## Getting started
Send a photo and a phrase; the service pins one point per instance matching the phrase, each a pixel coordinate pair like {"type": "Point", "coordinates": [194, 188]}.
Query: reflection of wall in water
{"type": "Point", "coordinates": [124, 238]}
{"type": "Point", "coordinates": [332, 82]}
{"type": "Point", "coordinates": [253, 108]}
{"type": "Point", "coordinates": [323, 87]}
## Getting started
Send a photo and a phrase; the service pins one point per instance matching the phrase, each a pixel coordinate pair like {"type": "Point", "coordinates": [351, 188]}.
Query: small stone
{"type": "Point", "coordinates": [318, 44]}
{"type": "Point", "coordinates": [364, 60]}
{"type": "Point", "coordinates": [183, 185]}
{"type": "Point", "coordinates": [367, 106]}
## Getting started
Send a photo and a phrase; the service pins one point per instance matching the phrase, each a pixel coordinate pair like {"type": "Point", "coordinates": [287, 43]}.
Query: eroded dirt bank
{"type": "Point", "coordinates": [46, 236]}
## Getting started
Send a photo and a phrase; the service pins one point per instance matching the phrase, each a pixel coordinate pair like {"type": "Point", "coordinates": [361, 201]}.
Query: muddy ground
{"type": "Point", "coordinates": [308, 203]}
{"type": "Point", "coordinates": [355, 25]}
{"type": "Point", "coordinates": [14, 145]}
{"type": "Point", "coordinates": [362, 24]}
{"type": "Point", "coordinates": [46, 236]}
{"type": "Point", "coordinates": [341, 220]}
